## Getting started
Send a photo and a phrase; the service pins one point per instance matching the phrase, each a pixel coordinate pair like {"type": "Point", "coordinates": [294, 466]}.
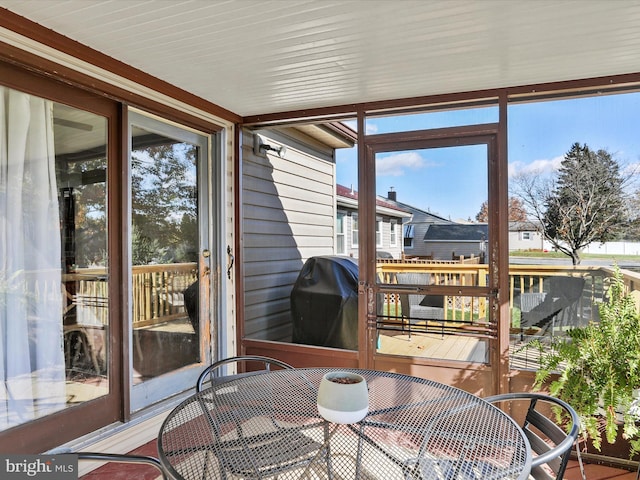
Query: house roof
{"type": "Point", "coordinates": [523, 227]}
{"type": "Point", "coordinates": [418, 215]}
{"type": "Point", "coordinates": [255, 57]}
{"type": "Point", "coordinates": [347, 196]}
{"type": "Point", "coordinates": [333, 134]}
{"type": "Point", "coordinates": [457, 232]}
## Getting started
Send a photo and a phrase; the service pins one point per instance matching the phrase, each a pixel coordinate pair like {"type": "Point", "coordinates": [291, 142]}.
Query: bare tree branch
{"type": "Point", "coordinates": [583, 203]}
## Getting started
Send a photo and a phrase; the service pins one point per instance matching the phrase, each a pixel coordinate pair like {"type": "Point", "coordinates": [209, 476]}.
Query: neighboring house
{"type": "Point", "coordinates": [416, 227]}
{"type": "Point", "coordinates": [427, 235]}
{"type": "Point", "coordinates": [453, 240]}
{"type": "Point", "coordinates": [525, 236]}
{"type": "Point", "coordinates": [389, 223]}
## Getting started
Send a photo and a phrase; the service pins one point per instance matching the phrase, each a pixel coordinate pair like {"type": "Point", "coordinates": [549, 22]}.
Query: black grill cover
{"type": "Point", "coordinates": [324, 303]}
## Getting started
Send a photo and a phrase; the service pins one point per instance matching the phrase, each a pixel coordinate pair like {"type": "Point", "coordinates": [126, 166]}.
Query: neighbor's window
{"type": "Point", "coordinates": [408, 235]}
{"type": "Point", "coordinates": [341, 248]}
{"type": "Point", "coordinates": [354, 230]}
{"type": "Point", "coordinates": [393, 241]}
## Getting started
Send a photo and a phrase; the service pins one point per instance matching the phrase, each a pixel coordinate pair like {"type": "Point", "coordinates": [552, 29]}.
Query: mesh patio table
{"type": "Point", "coordinates": [268, 426]}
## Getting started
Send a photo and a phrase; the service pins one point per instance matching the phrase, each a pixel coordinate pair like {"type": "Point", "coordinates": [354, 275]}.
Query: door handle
{"type": "Point", "coordinates": [231, 258]}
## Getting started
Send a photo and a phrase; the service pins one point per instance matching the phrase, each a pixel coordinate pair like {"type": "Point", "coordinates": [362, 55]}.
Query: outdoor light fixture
{"type": "Point", "coordinates": [260, 147]}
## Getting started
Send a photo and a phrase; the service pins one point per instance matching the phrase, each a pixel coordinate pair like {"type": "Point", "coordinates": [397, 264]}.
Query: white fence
{"type": "Point", "coordinates": [609, 248]}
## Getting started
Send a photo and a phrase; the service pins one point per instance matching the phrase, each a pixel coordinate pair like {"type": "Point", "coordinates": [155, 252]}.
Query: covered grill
{"type": "Point", "coordinates": [324, 303]}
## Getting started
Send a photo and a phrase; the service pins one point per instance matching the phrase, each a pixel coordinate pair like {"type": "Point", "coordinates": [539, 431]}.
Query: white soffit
{"type": "Point", "coordinates": [257, 56]}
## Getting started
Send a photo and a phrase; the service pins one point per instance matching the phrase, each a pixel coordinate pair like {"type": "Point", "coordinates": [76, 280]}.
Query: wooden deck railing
{"type": "Point", "coordinates": [158, 289]}
{"type": "Point", "coordinates": [522, 279]}
{"type": "Point", "coordinates": [465, 315]}
{"type": "Point", "coordinates": [157, 292]}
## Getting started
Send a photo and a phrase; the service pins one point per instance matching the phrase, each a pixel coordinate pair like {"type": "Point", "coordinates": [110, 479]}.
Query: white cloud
{"type": "Point", "coordinates": [542, 166]}
{"type": "Point", "coordinates": [396, 165]}
{"type": "Point", "coordinates": [371, 128]}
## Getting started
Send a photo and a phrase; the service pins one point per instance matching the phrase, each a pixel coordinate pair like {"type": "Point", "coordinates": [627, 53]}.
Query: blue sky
{"type": "Point", "coordinates": [453, 182]}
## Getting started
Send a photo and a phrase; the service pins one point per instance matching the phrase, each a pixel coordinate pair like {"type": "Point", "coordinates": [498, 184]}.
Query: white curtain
{"type": "Point", "coordinates": [31, 338]}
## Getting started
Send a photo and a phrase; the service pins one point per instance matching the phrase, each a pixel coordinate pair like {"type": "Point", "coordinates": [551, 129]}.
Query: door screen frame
{"type": "Point", "coordinates": [497, 248]}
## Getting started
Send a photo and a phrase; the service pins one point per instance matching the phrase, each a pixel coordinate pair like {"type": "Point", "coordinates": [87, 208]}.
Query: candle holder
{"type": "Point", "coordinates": [343, 397]}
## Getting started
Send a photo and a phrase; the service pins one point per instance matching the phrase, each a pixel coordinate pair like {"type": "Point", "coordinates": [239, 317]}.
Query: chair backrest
{"type": "Point", "coordinates": [551, 441]}
{"type": "Point", "coordinates": [124, 458]}
{"type": "Point", "coordinates": [528, 301]}
{"type": "Point", "coordinates": [212, 375]}
{"type": "Point", "coordinates": [570, 289]}
{"type": "Point", "coordinates": [411, 278]}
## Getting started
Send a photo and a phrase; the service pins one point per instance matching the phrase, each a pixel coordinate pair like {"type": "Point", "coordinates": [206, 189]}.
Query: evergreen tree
{"type": "Point", "coordinates": [587, 204]}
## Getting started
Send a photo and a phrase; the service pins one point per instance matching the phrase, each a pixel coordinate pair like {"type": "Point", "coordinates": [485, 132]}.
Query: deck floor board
{"type": "Point", "coordinates": [433, 345]}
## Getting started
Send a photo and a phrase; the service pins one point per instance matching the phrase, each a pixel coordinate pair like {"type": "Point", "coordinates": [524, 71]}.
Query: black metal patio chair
{"type": "Point", "coordinates": [276, 452]}
{"type": "Point", "coordinates": [122, 458]}
{"type": "Point", "coordinates": [553, 309]}
{"type": "Point", "coordinates": [212, 374]}
{"type": "Point", "coordinates": [551, 441]}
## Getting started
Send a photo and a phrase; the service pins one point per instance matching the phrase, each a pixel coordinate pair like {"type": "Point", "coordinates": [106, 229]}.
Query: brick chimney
{"type": "Point", "coordinates": [392, 194]}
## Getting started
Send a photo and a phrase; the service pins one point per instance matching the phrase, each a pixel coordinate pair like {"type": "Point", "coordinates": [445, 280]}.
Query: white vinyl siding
{"type": "Point", "coordinates": [288, 216]}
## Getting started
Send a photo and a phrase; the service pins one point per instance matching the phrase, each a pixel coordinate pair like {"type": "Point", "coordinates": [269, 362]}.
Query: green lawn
{"type": "Point", "coordinates": [539, 254]}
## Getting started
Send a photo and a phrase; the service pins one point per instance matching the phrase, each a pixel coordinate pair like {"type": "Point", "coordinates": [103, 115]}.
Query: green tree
{"type": "Point", "coordinates": [83, 211]}
{"type": "Point", "coordinates": [164, 203]}
{"type": "Point", "coordinates": [582, 204]}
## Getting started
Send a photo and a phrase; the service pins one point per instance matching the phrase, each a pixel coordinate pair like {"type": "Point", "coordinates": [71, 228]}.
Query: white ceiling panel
{"type": "Point", "coordinates": [255, 57]}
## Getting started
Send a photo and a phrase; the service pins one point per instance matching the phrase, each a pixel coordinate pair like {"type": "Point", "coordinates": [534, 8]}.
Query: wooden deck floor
{"type": "Point", "coordinates": [453, 347]}
{"type": "Point", "coordinates": [433, 345]}
{"type": "Point", "coordinates": [597, 472]}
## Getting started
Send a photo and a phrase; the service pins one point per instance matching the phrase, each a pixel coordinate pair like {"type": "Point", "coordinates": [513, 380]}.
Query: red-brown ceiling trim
{"type": "Point", "coordinates": [588, 86]}
{"type": "Point", "coordinates": [313, 115]}
{"type": "Point", "coordinates": [50, 38]}
{"type": "Point", "coordinates": [49, 69]}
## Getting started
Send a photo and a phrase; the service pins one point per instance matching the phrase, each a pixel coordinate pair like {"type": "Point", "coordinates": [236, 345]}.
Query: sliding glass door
{"type": "Point", "coordinates": [169, 258]}
{"type": "Point", "coordinates": [105, 259]}
{"type": "Point", "coordinates": [53, 281]}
